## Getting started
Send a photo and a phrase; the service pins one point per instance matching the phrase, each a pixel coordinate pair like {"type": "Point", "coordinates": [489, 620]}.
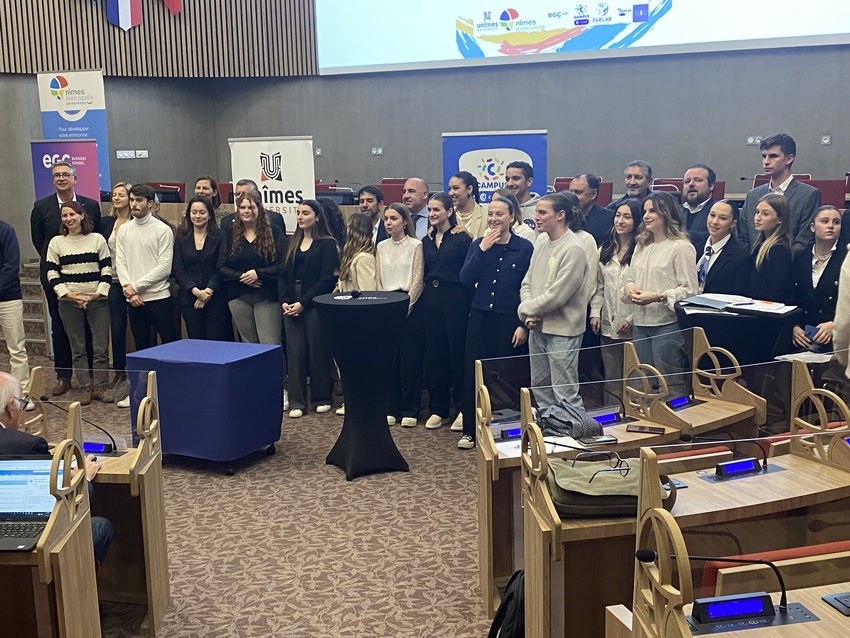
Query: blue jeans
{"type": "Point", "coordinates": [101, 530]}
{"type": "Point", "coordinates": [665, 350]}
{"type": "Point", "coordinates": [554, 369]}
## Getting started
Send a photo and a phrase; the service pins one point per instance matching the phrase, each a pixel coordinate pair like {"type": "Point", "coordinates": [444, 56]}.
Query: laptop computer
{"type": "Point", "coordinates": [25, 501]}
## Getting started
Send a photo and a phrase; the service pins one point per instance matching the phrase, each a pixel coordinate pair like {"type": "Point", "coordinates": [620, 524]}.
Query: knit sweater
{"type": "Point", "coordinates": [79, 263]}
{"type": "Point", "coordinates": [144, 250]}
{"type": "Point", "coordinates": [553, 289]}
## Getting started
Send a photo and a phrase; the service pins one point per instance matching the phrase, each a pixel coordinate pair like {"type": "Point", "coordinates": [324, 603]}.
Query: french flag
{"type": "Point", "coordinates": [175, 6]}
{"type": "Point", "coordinates": [124, 13]}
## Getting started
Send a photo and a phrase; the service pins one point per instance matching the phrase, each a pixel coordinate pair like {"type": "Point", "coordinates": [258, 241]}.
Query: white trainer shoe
{"type": "Point", "coordinates": [340, 411]}
{"type": "Point", "coordinates": [124, 403]}
{"type": "Point", "coordinates": [435, 422]}
{"type": "Point", "coordinates": [408, 422]}
{"type": "Point", "coordinates": [296, 413]}
{"type": "Point", "coordinates": [466, 442]}
{"type": "Point", "coordinates": [321, 409]}
{"type": "Point", "coordinates": [390, 420]}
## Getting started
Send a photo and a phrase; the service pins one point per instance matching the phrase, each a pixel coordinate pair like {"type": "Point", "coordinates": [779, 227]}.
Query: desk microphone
{"type": "Point", "coordinates": [355, 294]}
{"type": "Point", "coordinates": [687, 438]}
{"type": "Point", "coordinates": [46, 399]}
{"type": "Point", "coordinates": [649, 556]}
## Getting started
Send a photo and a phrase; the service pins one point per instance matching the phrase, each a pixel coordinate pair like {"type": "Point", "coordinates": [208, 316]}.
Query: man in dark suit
{"type": "Point", "coordinates": [247, 186]}
{"type": "Point", "coordinates": [778, 153]}
{"type": "Point", "coordinates": [638, 179]}
{"type": "Point", "coordinates": [696, 191]}
{"type": "Point", "coordinates": [598, 221]}
{"type": "Point", "coordinates": [725, 269]}
{"type": "Point", "coordinates": [371, 200]}
{"type": "Point", "coordinates": [45, 222]}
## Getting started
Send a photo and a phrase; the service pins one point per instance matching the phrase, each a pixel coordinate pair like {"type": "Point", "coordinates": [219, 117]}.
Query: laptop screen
{"type": "Point", "coordinates": [25, 487]}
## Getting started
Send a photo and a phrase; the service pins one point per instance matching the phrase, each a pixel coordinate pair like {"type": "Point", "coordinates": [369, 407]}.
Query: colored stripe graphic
{"type": "Point", "coordinates": [124, 13]}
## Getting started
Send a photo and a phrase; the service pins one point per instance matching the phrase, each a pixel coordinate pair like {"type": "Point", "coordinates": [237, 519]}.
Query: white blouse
{"type": "Point", "coordinates": [399, 266]}
{"type": "Point", "coordinates": [607, 301]}
{"type": "Point", "coordinates": [669, 267]}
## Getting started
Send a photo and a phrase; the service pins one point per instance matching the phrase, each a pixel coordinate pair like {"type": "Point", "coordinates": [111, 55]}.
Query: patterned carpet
{"type": "Point", "coordinates": [287, 547]}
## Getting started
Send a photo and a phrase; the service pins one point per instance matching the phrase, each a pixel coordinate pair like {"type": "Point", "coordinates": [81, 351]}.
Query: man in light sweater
{"type": "Point", "coordinates": [143, 253]}
{"type": "Point", "coordinates": [553, 302]}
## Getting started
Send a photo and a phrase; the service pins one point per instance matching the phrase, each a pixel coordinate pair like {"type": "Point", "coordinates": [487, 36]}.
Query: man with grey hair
{"type": "Point", "coordinates": [638, 179]}
{"type": "Point", "coordinates": [248, 186]}
{"type": "Point", "coordinates": [12, 405]}
{"type": "Point", "coordinates": [45, 224]}
{"type": "Point", "coordinates": [415, 197]}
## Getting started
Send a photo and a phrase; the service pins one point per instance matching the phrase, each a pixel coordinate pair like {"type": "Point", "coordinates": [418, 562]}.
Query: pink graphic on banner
{"type": "Point", "coordinates": [81, 154]}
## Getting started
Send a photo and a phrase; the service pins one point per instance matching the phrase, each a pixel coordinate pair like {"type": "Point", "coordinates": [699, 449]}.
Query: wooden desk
{"type": "Point", "coordinates": [575, 568]}
{"type": "Point", "coordinates": [728, 407]}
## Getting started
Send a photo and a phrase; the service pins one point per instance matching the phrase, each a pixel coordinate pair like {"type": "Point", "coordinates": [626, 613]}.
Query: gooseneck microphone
{"type": "Point", "coordinates": [650, 556]}
{"type": "Point", "coordinates": [688, 438]}
{"type": "Point", "coordinates": [46, 399]}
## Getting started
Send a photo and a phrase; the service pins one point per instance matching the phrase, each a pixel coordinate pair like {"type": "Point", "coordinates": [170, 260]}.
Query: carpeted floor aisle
{"type": "Point", "coordinates": [287, 547]}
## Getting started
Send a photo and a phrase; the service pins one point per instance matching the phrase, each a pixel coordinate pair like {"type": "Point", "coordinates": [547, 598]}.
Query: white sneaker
{"type": "Point", "coordinates": [296, 414]}
{"type": "Point", "coordinates": [390, 420]}
{"type": "Point", "coordinates": [466, 442]}
{"type": "Point", "coordinates": [124, 403]}
{"type": "Point", "coordinates": [408, 422]}
{"type": "Point", "coordinates": [30, 406]}
{"type": "Point", "coordinates": [340, 411]}
{"type": "Point", "coordinates": [285, 400]}
{"type": "Point", "coordinates": [457, 424]}
{"type": "Point", "coordinates": [434, 422]}
{"type": "Point", "coordinates": [321, 409]}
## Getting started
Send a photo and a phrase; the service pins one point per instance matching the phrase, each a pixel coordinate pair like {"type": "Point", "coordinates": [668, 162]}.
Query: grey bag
{"type": "Point", "coordinates": [565, 419]}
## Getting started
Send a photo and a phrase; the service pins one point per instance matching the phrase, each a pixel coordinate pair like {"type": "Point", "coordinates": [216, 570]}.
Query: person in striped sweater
{"type": "Point", "coordinates": [79, 269]}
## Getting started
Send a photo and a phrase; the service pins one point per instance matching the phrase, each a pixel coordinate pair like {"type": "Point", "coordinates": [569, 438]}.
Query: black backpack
{"type": "Point", "coordinates": [510, 618]}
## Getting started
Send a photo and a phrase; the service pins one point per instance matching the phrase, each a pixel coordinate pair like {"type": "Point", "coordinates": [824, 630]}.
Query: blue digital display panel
{"type": "Point", "coordinates": [607, 418]}
{"type": "Point", "coordinates": [679, 402]}
{"type": "Point", "coordinates": [738, 467]}
{"type": "Point", "coordinates": [735, 608]}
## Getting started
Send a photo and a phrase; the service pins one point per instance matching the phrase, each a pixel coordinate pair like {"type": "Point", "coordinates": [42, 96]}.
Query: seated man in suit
{"type": "Point", "coordinates": [246, 186]}
{"type": "Point", "coordinates": [371, 201]}
{"type": "Point", "coordinates": [13, 441]}
{"type": "Point", "coordinates": [778, 153]}
{"type": "Point", "coordinates": [598, 221]}
{"type": "Point", "coordinates": [723, 264]}
{"type": "Point", "coordinates": [638, 179]}
{"type": "Point", "coordinates": [696, 190]}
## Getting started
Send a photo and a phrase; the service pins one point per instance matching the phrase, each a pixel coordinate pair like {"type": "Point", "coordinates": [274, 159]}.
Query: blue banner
{"type": "Point", "coordinates": [73, 107]}
{"type": "Point", "coordinates": [486, 155]}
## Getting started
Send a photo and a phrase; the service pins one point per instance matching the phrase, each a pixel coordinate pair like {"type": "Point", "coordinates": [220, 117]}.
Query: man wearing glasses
{"type": "Point", "coordinates": [45, 223]}
{"type": "Point", "coordinates": [12, 406]}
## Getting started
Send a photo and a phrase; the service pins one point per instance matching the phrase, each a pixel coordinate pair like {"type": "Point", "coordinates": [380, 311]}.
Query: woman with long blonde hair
{"type": "Point", "coordinates": [771, 279]}
{"type": "Point", "coordinates": [357, 266]}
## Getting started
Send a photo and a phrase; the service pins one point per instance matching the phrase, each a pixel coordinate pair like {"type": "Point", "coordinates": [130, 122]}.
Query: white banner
{"type": "Point", "coordinates": [282, 168]}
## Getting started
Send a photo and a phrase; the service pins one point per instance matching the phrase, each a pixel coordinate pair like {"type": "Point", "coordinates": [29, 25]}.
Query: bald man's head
{"type": "Point", "coordinates": [11, 401]}
{"type": "Point", "coordinates": [415, 194]}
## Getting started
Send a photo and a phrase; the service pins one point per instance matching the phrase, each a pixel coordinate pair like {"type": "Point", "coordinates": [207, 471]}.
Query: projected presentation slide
{"type": "Point", "coordinates": [377, 35]}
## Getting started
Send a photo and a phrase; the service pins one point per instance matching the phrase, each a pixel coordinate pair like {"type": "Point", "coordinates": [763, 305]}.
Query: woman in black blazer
{"type": "Point", "coordinates": [730, 263]}
{"type": "Point", "coordinates": [815, 274]}
{"type": "Point", "coordinates": [309, 267]}
{"type": "Point", "coordinates": [770, 280]}
{"type": "Point", "coordinates": [203, 303]}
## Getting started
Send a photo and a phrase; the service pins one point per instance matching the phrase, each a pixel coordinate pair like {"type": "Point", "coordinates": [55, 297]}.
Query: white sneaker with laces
{"type": "Point", "coordinates": [124, 403]}
{"type": "Point", "coordinates": [466, 442]}
{"type": "Point", "coordinates": [321, 409]}
{"type": "Point", "coordinates": [457, 424]}
{"type": "Point", "coordinates": [435, 422]}
{"type": "Point", "coordinates": [408, 422]}
{"type": "Point", "coordinates": [296, 414]}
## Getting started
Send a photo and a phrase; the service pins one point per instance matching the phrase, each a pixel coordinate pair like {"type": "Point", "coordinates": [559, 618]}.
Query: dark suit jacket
{"type": "Point", "coordinates": [599, 222]}
{"type": "Point", "coordinates": [803, 199]}
{"type": "Point", "coordinates": [817, 304]}
{"type": "Point", "coordinates": [696, 225]}
{"type": "Point", "coordinates": [45, 222]}
{"type": "Point", "coordinates": [730, 272]}
{"type": "Point", "coordinates": [17, 442]}
{"type": "Point", "coordinates": [318, 278]}
{"type": "Point", "coordinates": [772, 282]}
{"type": "Point", "coordinates": [197, 268]}
{"type": "Point", "coordinates": [382, 233]}
{"type": "Point", "coordinates": [275, 219]}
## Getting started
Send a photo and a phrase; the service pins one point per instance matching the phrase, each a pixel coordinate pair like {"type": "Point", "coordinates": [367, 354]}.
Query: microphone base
{"type": "Point", "coordinates": [796, 614]}
{"type": "Point", "coordinates": [713, 478]}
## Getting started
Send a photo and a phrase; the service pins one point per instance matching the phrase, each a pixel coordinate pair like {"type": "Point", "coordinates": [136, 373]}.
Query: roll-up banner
{"type": "Point", "coordinates": [282, 167]}
{"type": "Point", "coordinates": [73, 107]}
{"type": "Point", "coordinates": [487, 154]}
{"type": "Point", "coordinates": [81, 154]}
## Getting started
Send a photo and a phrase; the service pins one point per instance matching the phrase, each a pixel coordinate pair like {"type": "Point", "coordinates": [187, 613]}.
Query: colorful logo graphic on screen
{"type": "Point", "coordinates": [506, 20]}
{"type": "Point", "coordinates": [57, 87]}
{"type": "Point", "coordinates": [270, 167]}
{"type": "Point", "coordinates": [576, 27]}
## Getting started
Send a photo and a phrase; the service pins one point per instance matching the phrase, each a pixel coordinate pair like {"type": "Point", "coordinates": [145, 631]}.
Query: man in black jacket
{"type": "Point", "coordinates": [45, 224]}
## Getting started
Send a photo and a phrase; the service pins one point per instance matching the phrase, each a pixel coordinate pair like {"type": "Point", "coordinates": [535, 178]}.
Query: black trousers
{"type": "Point", "coordinates": [62, 358]}
{"type": "Point", "coordinates": [307, 348]}
{"type": "Point", "coordinates": [488, 336]}
{"type": "Point", "coordinates": [404, 386]}
{"type": "Point", "coordinates": [446, 315]}
{"type": "Point", "coordinates": [211, 322]}
{"type": "Point", "coordinates": [157, 314]}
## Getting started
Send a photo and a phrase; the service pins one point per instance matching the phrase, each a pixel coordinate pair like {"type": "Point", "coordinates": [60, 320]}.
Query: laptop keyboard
{"type": "Point", "coordinates": [21, 530]}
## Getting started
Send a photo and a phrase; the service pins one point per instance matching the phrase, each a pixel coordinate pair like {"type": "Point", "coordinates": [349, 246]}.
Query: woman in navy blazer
{"type": "Point", "coordinates": [203, 303]}
{"type": "Point", "coordinates": [815, 275]}
{"type": "Point", "coordinates": [309, 266]}
{"type": "Point", "coordinates": [770, 280]}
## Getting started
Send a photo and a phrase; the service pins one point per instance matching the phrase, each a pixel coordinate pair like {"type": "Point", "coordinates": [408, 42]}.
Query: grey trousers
{"type": "Point", "coordinates": [554, 369]}
{"type": "Point", "coordinates": [74, 318]}
{"type": "Point", "coordinates": [258, 321]}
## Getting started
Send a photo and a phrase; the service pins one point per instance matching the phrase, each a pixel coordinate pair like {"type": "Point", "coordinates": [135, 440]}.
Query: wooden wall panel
{"type": "Point", "coordinates": [209, 38]}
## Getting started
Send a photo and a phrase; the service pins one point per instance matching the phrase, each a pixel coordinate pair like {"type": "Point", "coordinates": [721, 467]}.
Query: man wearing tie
{"type": "Point", "coordinates": [415, 197]}
{"type": "Point", "coordinates": [778, 153]}
{"type": "Point", "coordinates": [723, 264]}
{"type": "Point", "coordinates": [45, 222]}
